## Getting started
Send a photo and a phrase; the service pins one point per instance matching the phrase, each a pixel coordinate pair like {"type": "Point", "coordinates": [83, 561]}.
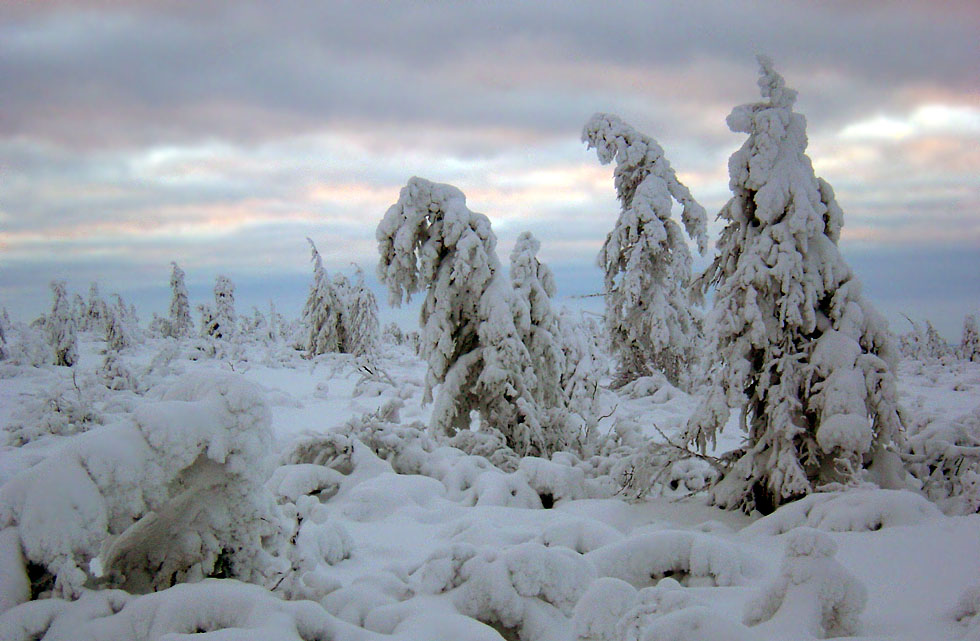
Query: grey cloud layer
{"type": "Point", "coordinates": [222, 133]}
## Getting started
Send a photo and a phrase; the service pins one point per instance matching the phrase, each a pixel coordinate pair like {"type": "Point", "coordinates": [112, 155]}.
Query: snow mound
{"type": "Point", "coordinates": [581, 535]}
{"type": "Point", "coordinates": [693, 558]}
{"type": "Point", "coordinates": [813, 592]}
{"type": "Point", "coordinates": [849, 511]}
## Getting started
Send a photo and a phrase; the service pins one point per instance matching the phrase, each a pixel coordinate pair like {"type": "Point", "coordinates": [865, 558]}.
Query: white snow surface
{"type": "Point", "coordinates": [314, 486]}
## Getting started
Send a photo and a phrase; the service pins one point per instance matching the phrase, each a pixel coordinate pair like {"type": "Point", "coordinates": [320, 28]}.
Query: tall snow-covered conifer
{"type": "Point", "coordinates": [799, 351]}
{"type": "Point", "coordinates": [321, 313]}
{"type": "Point", "coordinates": [61, 327]}
{"type": "Point", "coordinates": [645, 259]}
{"type": "Point", "coordinates": [180, 309]}
{"type": "Point", "coordinates": [430, 241]}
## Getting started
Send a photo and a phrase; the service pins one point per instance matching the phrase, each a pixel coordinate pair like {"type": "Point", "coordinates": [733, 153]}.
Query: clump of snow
{"type": "Point", "coordinates": [813, 594]}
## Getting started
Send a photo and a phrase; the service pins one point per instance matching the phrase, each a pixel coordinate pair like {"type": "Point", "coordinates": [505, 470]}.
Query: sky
{"type": "Point", "coordinates": [221, 134]}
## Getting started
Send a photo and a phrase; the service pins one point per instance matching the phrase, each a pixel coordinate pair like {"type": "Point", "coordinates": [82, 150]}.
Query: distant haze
{"type": "Point", "coordinates": [221, 134]}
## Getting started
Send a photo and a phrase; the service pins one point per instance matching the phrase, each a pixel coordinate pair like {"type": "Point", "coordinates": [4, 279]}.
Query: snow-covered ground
{"type": "Point", "coordinates": [314, 483]}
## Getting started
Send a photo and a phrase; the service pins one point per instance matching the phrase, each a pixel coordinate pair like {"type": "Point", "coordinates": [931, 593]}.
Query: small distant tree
{"type": "Point", "coordinates": [321, 313]}
{"type": "Point", "coordinates": [799, 350]}
{"type": "Point", "coordinates": [180, 309]}
{"type": "Point", "coordinates": [225, 319]}
{"type": "Point", "coordinates": [209, 325]}
{"type": "Point", "coordinates": [60, 326]}
{"type": "Point", "coordinates": [4, 329]}
{"type": "Point", "coordinates": [970, 343]}
{"type": "Point", "coordinates": [936, 345]}
{"type": "Point", "coordinates": [116, 335]}
{"type": "Point", "coordinates": [430, 241]}
{"type": "Point", "coordinates": [645, 259]}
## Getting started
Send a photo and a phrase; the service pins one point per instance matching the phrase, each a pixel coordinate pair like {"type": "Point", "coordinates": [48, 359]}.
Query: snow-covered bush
{"type": "Point", "coordinates": [645, 259]}
{"type": "Point", "coordinates": [174, 496]}
{"type": "Point", "coordinates": [691, 558]}
{"type": "Point", "coordinates": [850, 511]}
{"type": "Point", "coordinates": [60, 326]}
{"type": "Point", "coordinates": [361, 318]}
{"type": "Point", "coordinates": [321, 313]}
{"type": "Point", "coordinates": [429, 240]}
{"type": "Point", "coordinates": [943, 453]}
{"type": "Point", "coordinates": [61, 410]}
{"type": "Point", "coordinates": [95, 312]}
{"type": "Point", "coordinates": [798, 349]}
{"type": "Point", "coordinates": [115, 374]}
{"type": "Point", "coordinates": [4, 330]}
{"type": "Point", "coordinates": [180, 311]}
{"type": "Point", "coordinates": [813, 594]}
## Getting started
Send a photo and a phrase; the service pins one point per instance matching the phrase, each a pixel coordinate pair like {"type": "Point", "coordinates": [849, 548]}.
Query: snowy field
{"type": "Point", "coordinates": [315, 484]}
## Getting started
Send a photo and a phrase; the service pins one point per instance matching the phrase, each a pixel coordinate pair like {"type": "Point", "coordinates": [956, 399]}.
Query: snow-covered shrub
{"type": "Point", "coordinates": [520, 589]}
{"type": "Point", "coordinates": [970, 343]}
{"type": "Point", "coordinates": [848, 511]}
{"type": "Point", "coordinates": [645, 259]}
{"type": "Point", "coordinates": [174, 496]}
{"type": "Point", "coordinates": [944, 455]}
{"type": "Point", "coordinates": [581, 535]}
{"type": "Point", "coordinates": [95, 312]}
{"type": "Point", "coordinates": [553, 481]}
{"type": "Point", "coordinates": [115, 375]}
{"type": "Point", "coordinates": [116, 337]}
{"type": "Point", "coordinates": [180, 311]}
{"type": "Point", "coordinates": [579, 381]}
{"type": "Point", "coordinates": [4, 330]}
{"type": "Point", "coordinates": [429, 240]}
{"type": "Point", "coordinates": [60, 326]}
{"type": "Point", "coordinates": [27, 345]}
{"type": "Point", "coordinates": [209, 610]}
{"type": "Point", "coordinates": [813, 594]}
{"type": "Point", "coordinates": [692, 558]}
{"type": "Point", "coordinates": [361, 318]}
{"type": "Point", "coordinates": [61, 410]}
{"type": "Point", "coordinates": [798, 349]}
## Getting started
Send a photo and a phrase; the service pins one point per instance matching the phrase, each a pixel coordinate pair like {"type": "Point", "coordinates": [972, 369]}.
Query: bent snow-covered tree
{"type": "Point", "coordinates": [429, 240]}
{"type": "Point", "coordinates": [645, 259]}
{"type": "Point", "coordinates": [180, 309]}
{"type": "Point", "coordinates": [799, 350]}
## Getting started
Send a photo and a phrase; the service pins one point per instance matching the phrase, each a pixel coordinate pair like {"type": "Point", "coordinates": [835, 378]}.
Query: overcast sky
{"type": "Point", "coordinates": [221, 134]}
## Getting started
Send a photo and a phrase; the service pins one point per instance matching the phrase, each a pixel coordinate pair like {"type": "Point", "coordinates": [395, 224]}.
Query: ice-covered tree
{"type": "Point", "coordinates": [321, 313]}
{"type": "Point", "coordinates": [936, 345]}
{"type": "Point", "coordinates": [180, 309]}
{"type": "Point", "coordinates": [798, 349]}
{"type": "Point", "coordinates": [645, 258]}
{"type": "Point", "coordinates": [116, 334]}
{"type": "Point", "coordinates": [60, 326]}
{"type": "Point", "coordinates": [430, 241]}
{"type": "Point", "coordinates": [224, 319]}
{"type": "Point", "coordinates": [970, 343]}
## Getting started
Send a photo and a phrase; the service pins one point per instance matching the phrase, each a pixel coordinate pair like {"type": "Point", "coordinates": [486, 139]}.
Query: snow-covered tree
{"type": "Point", "coordinates": [225, 318]}
{"type": "Point", "coordinates": [799, 350]}
{"type": "Point", "coordinates": [430, 241]}
{"type": "Point", "coordinates": [96, 310]}
{"type": "Point", "coordinates": [970, 343]}
{"type": "Point", "coordinates": [60, 326]}
{"type": "Point", "coordinates": [180, 309]}
{"type": "Point", "coordinates": [4, 329]}
{"type": "Point", "coordinates": [645, 259]}
{"type": "Point", "coordinates": [540, 331]}
{"type": "Point", "coordinates": [936, 345]}
{"type": "Point", "coordinates": [208, 327]}
{"type": "Point", "coordinates": [321, 313]}
{"type": "Point", "coordinates": [361, 319]}
{"type": "Point", "coordinates": [116, 334]}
